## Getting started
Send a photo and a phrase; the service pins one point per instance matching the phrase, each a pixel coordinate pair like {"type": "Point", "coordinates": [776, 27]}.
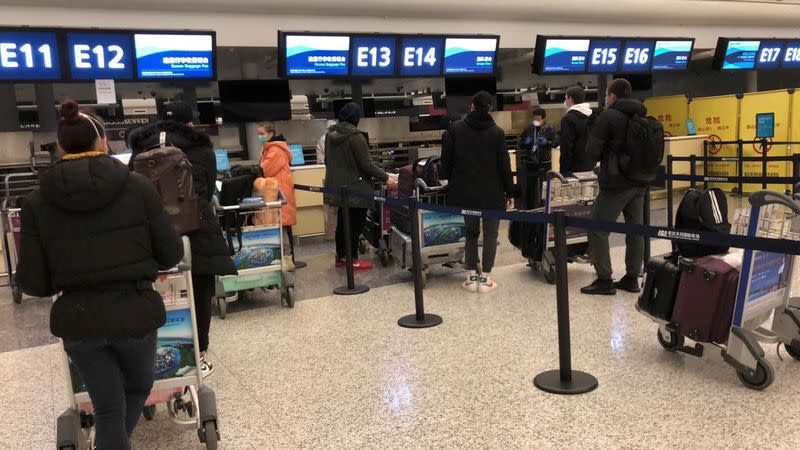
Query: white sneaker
{"type": "Point", "coordinates": [486, 285]}
{"type": "Point", "coordinates": [206, 368]}
{"type": "Point", "coordinates": [471, 284]}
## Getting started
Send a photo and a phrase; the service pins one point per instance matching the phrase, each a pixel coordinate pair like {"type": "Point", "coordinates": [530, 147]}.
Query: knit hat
{"type": "Point", "coordinates": [351, 113]}
{"type": "Point", "coordinates": [179, 112]}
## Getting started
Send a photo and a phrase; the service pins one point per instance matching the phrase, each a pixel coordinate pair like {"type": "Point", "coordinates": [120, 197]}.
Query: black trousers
{"type": "Point", "coordinates": [203, 293]}
{"type": "Point", "coordinates": [358, 218]}
{"type": "Point", "coordinates": [290, 237]}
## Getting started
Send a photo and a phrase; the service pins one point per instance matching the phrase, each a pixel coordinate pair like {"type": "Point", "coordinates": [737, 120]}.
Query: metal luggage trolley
{"type": "Point", "coordinates": [764, 292]}
{"type": "Point", "coordinates": [442, 235]}
{"type": "Point", "coordinates": [15, 186]}
{"type": "Point", "coordinates": [179, 383]}
{"type": "Point", "coordinates": [574, 196]}
{"type": "Point", "coordinates": [258, 253]}
{"type": "Point", "coordinates": [378, 228]}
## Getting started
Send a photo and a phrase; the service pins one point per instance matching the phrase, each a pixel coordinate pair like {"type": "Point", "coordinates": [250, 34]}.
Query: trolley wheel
{"type": "Point", "coordinates": [222, 307]}
{"type": "Point", "coordinates": [384, 257]}
{"type": "Point", "coordinates": [209, 435]}
{"type": "Point", "coordinates": [672, 344]}
{"type": "Point", "coordinates": [16, 294]}
{"type": "Point", "coordinates": [761, 380]}
{"type": "Point", "coordinates": [286, 293]}
{"type": "Point", "coordinates": [149, 412]}
{"type": "Point", "coordinates": [549, 273]}
{"type": "Point", "coordinates": [362, 246]}
{"type": "Point", "coordinates": [793, 350]}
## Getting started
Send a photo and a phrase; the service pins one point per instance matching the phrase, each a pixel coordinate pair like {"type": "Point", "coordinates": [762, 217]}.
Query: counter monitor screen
{"type": "Point", "coordinates": [770, 55]}
{"type": "Point", "coordinates": [374, 56]}
{"type": "Point", "coordinates": [29, 55]}
{"type": "Point", "coordinates": [298, 159]}
{"type": "Point", "coordinates": [94, 56]}
{"type": "Point", "coordinates": [317, 56]}
{"type": "Point", "coordinates": [174, 56]}
{"type": "Point", "coordinates": [638, 55]}
{"type": "Point", "coordinates": [469, 55]}
{"type": "Point", "coordinates": [421, 56]}
{"type": "Point", "coordinates": [604, 56]}
{"type": "Point", "coordinates": [740, 55]}
{"type": "Point", "coordinates": [672, 55]}
{"type": "Point", "coordinates": [565, 56]}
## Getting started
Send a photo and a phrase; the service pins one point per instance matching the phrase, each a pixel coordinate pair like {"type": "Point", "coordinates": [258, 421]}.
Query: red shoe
{"type": "Point", "coordinates": [360, 264]}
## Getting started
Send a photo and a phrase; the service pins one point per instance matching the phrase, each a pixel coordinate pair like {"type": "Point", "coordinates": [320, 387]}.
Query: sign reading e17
{"type": "Point", "coordinates": [421, 56]}
{"type": "Point", "coordinates": [373, 56]}
{"type": "Point", "coordinates": [95, 56]}
{"type": "Point", "coordinates": [29, 56]}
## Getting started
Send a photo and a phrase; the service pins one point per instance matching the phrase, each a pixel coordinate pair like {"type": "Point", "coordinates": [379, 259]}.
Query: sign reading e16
{"type": "Point", "coordinates": [29, 56]}
{"type": "Point", "coordinates": [373, 56]}
{"type": "Point", "coordinates": [638, 55]}
{"type": "Point", "coordinates": [421, 56]}
{"type": "Point", "coordinates": [99, 56]}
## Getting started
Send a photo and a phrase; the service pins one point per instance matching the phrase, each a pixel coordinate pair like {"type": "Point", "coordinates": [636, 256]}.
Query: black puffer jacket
{"type": "Point", "coordinates": [574, 137]}
{"type": "Point", "coordinates": [96, 232]}
{"type": "Point", "coordinates": [607, 138]}
{"type": "Point", "coordinates": [476, 164]}
{"type": "Point", "coordinates": [348, 164]}
{"type": "Point", "coordinates": [210, 253]}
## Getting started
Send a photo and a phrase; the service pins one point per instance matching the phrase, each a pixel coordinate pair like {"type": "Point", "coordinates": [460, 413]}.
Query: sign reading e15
{"type": "Point", "coordinates": [373, 56]}
{"type": "Point", "coordinates": [95, 56]}
{"type": "Point", "coordinates": [421, 56]}
{"type": "Point", "coordinates": [29, 56]}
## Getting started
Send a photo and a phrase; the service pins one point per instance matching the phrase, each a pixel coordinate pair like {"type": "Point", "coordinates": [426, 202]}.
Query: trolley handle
{"type": "Point", "coordinates": [185, 264]}
{"type": "Point", "coordinates": [422, 184]}
{"type": "Point", "coordinates": [251, 206]}
{"type": "Point", "coordinates": [7, 182]}
{"type": "Point", "coordinates": [553, 174]}
{"type": "Point", "coordinates": [765, 197]}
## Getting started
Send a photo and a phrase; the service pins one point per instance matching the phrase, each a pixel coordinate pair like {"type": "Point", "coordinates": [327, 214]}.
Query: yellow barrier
{"type": "Point", "coordinates": [718, 117]}
{"type": "Point", "coordinates": [671, 111]}
{"type": "Point", "coordinates": [780, 103]}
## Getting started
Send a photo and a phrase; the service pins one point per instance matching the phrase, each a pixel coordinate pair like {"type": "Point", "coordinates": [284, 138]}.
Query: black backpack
{"type": "Point", "coordinates": [643, 151]}
{"type": "Point", "coordinates": [702, 211]}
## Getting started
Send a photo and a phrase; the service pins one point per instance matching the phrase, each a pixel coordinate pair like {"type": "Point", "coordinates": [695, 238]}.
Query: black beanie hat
{"type": "Point", "coordinates": [179, 112]}
{"type": "Point", "coordinates": [351, 113]}
{"type": "Point", "coordinates": [482, 101]}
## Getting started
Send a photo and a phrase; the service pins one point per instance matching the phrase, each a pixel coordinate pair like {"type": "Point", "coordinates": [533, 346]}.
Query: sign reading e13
{"type": "Point", "coordinates": [29, 56]}
{"type": "Point", "coordinates": [373, 56]}
{"type": "Point", "coordinates": [95, 56]}
{"type": "Point", "coordinates": [421, 56]}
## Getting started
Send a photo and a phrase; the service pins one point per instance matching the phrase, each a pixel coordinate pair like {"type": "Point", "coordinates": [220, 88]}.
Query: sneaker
{"type": "Point", "coordinates": [487, 285]}
{"type": "Point", "coordinates": [206, 368]}
{"type": "Point", "coordinates": [600, 287]}
{"type": "Point", "coordinates": [360, 264]}
{"type": "Point", "coordinates": [629, 284]}
{"type": "Point", "coordinates": [340, 262]}
{"type": "Point", "coordinates": [471, 284]}
{"type": "Point", "coordinates": [582, 259]}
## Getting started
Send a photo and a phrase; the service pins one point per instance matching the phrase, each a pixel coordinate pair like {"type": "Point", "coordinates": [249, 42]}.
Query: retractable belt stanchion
{"type": "Point", "coordinates": [764, 149]}
{"type": "Point", "coordinates": [740, 165]}
{"type": "Point", "coordinates": [646, 221]}
{"type": "Point", "coordinates": [351, 288]}
{"type": "Point", "coordinates": [563, 381]}
{"type": "Point", "coordinates": [419, 319]}
{"type": "Point", "coordinates": [669, 190]}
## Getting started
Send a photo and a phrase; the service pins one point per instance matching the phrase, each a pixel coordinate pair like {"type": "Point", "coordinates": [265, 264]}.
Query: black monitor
{"type": "Point", "coordinates": [255, 100]}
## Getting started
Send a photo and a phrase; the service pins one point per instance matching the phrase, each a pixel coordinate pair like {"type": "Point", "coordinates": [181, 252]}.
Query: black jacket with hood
{"type": "Point", "coordinates": [348, 164]}
{"type": "Point", "coordinates": [210, 253]}
{"type": "Point", "coordinates": [607, 138]}
{"type": "Point", "coordinates": [574, 138]}
{"type": "Point", "coordinates": [97, 233]}
{"type": "Point", "coordinates": [476, 163]}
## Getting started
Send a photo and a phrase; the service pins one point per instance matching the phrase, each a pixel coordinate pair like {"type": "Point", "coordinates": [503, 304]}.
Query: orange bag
{"type": "Point", "coordinates": [266, 188]}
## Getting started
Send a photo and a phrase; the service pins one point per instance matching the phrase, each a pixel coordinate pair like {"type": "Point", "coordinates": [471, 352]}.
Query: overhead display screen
{"type": "Point", "coordinates": [770, 55]}
{"type": "Point", "coordinates": [791, 56]}
{"type": "Point", "coordinates": [604, 56]}
{"type": "Point", "coordinates": [29, 55]}
{"type": "Point", "coordinates": [565, 55]}
{"type": "Point", "coordinates": [374, 56]}
{"type": "Point", "coordinates": [317, 56]}
{"type": "Point", "coordinates": [421, 56]}
{"type": "Point", "coordinates": [637, 56]}
{"type": "Point", "coordinates": [757, 54]}
{"type": "Point", "coordinates": [672, 55]}
{"type": "Point", "coordinates": [469, 55]}
{"type": "Point", "coordinates": [94, 56]}
{"type": "Point", "coordinates": [740, 55]}
{"type": "Point", "coordinates": [174, 56]}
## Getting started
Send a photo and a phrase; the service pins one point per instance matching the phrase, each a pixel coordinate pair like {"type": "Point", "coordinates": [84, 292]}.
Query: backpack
{"type": "Point", "coordinates": [702, 211]}
{"type": "Point", "coordinates": [171, 172]}
{"type": "Point", "coordinates": [643, 150]}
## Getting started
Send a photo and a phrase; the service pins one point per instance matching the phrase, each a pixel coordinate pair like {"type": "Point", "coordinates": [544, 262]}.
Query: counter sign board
{"type": "Point", "coordinates": [469, 55]}
{"type": "Point", "coordinates": [756, 54]}
{"type": "Point", "coordinates": [94, 56]}
{"type": "Point", "coordinates": [421, 56]}
{"type": "Point", "coordinates": [315, 56]}
{"type": "Point", "coordinates": [29, 55]}
{"type": "Point", "coordinates": [374, 56]}
{"type": "Point", "coordinates": [174, 55]}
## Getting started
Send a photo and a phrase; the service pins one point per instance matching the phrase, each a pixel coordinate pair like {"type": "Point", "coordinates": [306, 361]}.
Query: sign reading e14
{"type": "Point", "coordinates": [29, 56]}
{"type": "Point", "coordinates": [421, 56]}
{"type": "Point", "coordinates": [99, 56]}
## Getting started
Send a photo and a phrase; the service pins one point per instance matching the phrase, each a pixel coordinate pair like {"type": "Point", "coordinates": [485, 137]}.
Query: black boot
{"type": "Point", "coordinates": [628, 283]}
{"type": "Point", "coordinates": [600, 287]}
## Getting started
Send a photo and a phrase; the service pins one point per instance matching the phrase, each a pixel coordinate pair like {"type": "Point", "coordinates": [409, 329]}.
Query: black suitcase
{"type": "Point", "coordinates": [662, 277]}
{"type": "Point", "coordinates": [527, 237]}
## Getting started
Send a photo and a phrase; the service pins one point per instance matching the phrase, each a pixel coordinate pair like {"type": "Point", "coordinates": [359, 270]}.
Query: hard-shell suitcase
{"type": "Point", "coordinates": [707, 296]}
{"type": "Point", "coordinates": [662, 277]}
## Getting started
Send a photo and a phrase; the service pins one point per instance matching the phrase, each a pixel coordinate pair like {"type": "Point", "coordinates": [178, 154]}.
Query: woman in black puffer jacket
{"type": "Point", "coordinates": [98, 234]}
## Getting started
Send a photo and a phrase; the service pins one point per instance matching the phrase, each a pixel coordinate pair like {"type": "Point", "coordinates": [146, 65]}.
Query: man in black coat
{"type": "Point", "coordinates": [617, 194]}
{"type": "Point", "coordinates": [575, 133]}
{"type": "Point", "coordinates": [476, 164]}
{"type": "Point", "coordinates": [210, 253]}
{"type": "Point", "coordinates": [534, 157]}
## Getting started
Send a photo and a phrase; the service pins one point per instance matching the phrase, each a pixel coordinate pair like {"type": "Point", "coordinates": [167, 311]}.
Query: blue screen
{"type": "Point", "coordinates": [374, 56]}
{"type": "Point", "coordinates": [94, 56]}
{"type": "Point", "coordinates": [791, 57]}
{"type": "Point", "coordinates": [741, 55]}
{"type": "Point", "coordinates": [421, 56]}
{"type": "Point", "coordinates": [29, 56]}
{"type": "Point", "coordinates": [174, 55]}
{"type": "Point", "coordinates": [638, 56]}
{"type": "Point", "coordinates": [565, 55]}
{"type": "Point", "coordinates": [672, 55]}
{"type": "Point", "coordinates": [298, 159]}
{"type": "Point", "coordinates": [476, 55]}
{"type": "Point", "coordinates": [770, 55]}
{"type": "Point", "coordinates": [604, 56]}
{"type": "Point", "coordinates": [317, 56]}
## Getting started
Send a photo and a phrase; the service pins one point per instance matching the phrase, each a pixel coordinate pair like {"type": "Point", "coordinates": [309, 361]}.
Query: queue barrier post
{"type": "Point", "coordinates": [693, 172]}
{"type": "Point", "coordinates": [563, 381]}
{"type": "Point", "coordinates": [740, 165]}
{"type": "Point", "coordinates": [705, 163]}
{"type": "Point", "coordinates": [351, 288]}
{"type": "Point", "coordinates": [419, 319]}
{"type": "Point", "coordinates": [646, 221]}
{"type": "Point", "coordinates": [670, 162]}
{"type": "Point", "coordinates": [764, 149]}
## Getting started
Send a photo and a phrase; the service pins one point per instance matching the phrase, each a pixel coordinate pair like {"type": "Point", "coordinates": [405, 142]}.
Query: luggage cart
{"type": "Point", "coordinates": [258, 253]}
{"type": "Point", "coordinates": [378, 228]}
{"type": "Point", "coordinates": [15, 186]}
{"type": "Point", "coordinates": [574, 196]}
{"type": "Point", "coordinates": [442, 235]}
{"type": "Point", "coordinates": [764, 292]}
{"type": "Point", "coordinates": [179, 383]}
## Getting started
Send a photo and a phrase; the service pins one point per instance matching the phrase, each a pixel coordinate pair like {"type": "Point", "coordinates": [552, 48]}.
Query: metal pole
{"type": "Point", "coordinates": [705, 164]}
{"type": "Point", "coordinates": [646, 221]}
{"type": "Point", "coordinates": [740, 165]}
{"type": "Point", "coordinates": [764, 150]}
{"type": "Point", "coordinates": [351, 288]}
{"type": "Point", "coordinates": [419, 319]}
{"type": "Point", "coordinates": [669, 190]}
{"type": "Point", "coordinates": [693, 172]}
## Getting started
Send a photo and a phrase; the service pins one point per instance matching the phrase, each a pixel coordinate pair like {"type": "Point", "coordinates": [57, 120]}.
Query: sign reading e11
{"type": "Point", "coordinates": [29, 56]}
{"type": "Point", "coordinates": [95, 56]}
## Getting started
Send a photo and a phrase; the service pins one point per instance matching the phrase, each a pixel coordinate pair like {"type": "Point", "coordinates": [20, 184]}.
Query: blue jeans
{"type": "Point", "coordinates": [118, 374]}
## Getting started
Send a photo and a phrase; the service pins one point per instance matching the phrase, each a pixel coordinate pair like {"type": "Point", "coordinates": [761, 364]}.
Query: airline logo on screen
{"type": "Point", "coordinates": [741, 55]}
{"type": "Point", "coordinates": [565, 55]}
{"type": "Point", "coordinates": [469, 55]}
{"type": "Point", "coordinates": [29, 56]}
{"type": "Point", "coordinates": [311, 56]}
{"type": "Point", "coordinates": [174, 56]}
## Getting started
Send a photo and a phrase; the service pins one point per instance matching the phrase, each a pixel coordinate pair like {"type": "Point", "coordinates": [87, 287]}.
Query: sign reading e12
{"type": "Point", "coordinates": [421, 56]}
{"type": "Point", "coordinates": [95, 56]}
{"type": "Point", "coordinates": [29, 56]}
{"type": "Point", "coordinates": [638, 55]}
{"type": "Point", "coordinates": [373, 56]}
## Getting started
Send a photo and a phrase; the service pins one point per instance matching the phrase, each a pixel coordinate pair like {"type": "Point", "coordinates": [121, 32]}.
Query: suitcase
{"type": "Point", "coordinates": [527, 237]}
{"type": "Point", "coordinates": [662, 277]}
{"type": "Point", "coordinates": [707, 296]}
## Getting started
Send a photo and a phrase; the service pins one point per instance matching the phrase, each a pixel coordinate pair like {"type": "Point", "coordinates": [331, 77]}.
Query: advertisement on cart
{"type": "Point", "coordinates": [768, 282]}
{"type": "Point", "coordinates": [261, 247]}
{"type": "Point", "coordinates": [442, 228]}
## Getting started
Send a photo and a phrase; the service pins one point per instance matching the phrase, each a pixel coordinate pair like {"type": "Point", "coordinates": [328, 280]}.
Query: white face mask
{"type": "Point", "coordinates": [566, 104]}
{"type": "Point", "coordinates": [536, 123]}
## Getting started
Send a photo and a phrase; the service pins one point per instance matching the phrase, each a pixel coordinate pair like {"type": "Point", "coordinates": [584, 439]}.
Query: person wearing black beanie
{"type": "Point", "coordinates": [351, 113]}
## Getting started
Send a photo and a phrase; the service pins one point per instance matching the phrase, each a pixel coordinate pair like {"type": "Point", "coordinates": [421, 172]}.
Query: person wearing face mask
{"type": "Point", "coordinates": [575, 133]}
{"type": "Point", "coordinates": [534, 158]}
{"type": "Point", "coordinates": [617, 194]}
{"type": "Point", "coordinates": [276, 161]}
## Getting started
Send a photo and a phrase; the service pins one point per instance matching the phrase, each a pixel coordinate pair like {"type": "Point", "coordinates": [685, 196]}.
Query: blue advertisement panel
{"type": "Point", "coordinates": [29, 56]}
{"type": "Point", "coordinates": [791, 57]}
{"type": "Point", "coordinates": [317, 56]}
{"type": "Point", "coordinates": [95, 56]}
{"type": "Point", "coordinates": [565, 55]}
{"type": "Point", "coordinates": [421, 56]}
{"type": "Point", "coordinates": [440, 228]}
{"type": "Point", "coordinates": [741, 55]}
{"type": "Point", "coordinates": [469, 56]}
{"type": "Point", "coordinates": [638, 56]}
{"type": "Point", "coordinates": [374, 56]}
{"type": "Point", "coordinates": [174, 55]}
{"type": "Point", "coordinates": [770, 55]}
{"type": "Point", "coordinates": [260, 247]}
{"type": "Point", "coordinates": [604, 56]}
{"type": "Point", "coordinates": [672, 55]}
